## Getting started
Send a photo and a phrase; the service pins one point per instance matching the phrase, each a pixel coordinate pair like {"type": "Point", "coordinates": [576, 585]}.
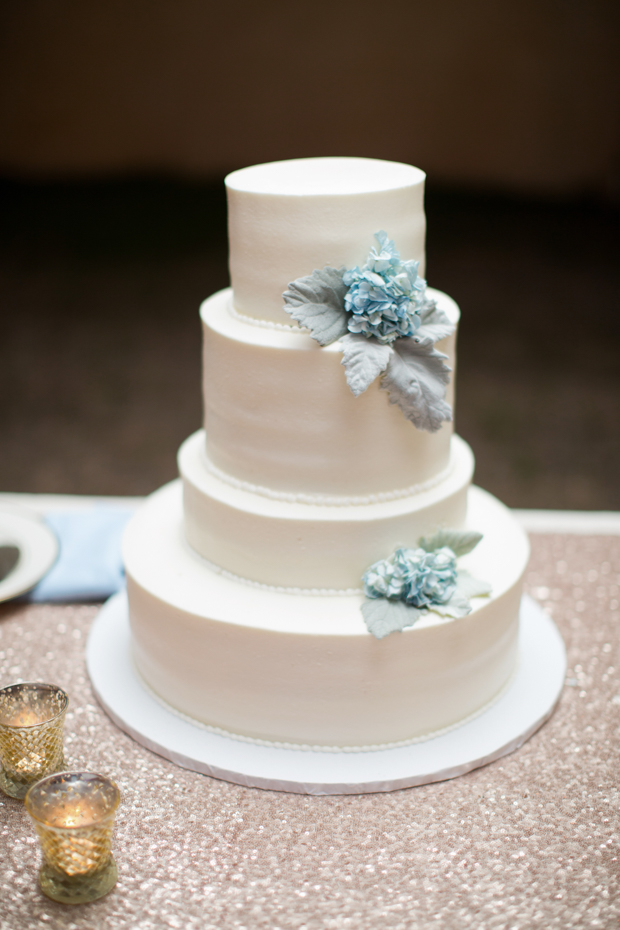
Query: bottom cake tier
{"type": "Point", "coordinates": [302, 669]}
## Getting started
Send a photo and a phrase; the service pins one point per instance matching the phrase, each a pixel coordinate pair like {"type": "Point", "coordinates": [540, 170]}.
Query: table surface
{"type": "Point", "coordinates": [531, 841]}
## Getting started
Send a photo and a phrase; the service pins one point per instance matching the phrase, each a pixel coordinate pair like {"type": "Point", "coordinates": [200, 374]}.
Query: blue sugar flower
{"type": "Point", "coordinates": [430, 576]}
{"type": "Point", "coordinates": [384, 579]}
{"type": "Point", "coordinates": [385, 295]}
{"type": "Point", "coordinates": [415, 576]}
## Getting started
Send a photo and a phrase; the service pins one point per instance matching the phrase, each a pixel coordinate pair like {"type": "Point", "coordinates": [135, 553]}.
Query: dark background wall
{"type": "Point", "coordinates": [522, 95]}
{"type": "Point", "coordinates": [118, 121]}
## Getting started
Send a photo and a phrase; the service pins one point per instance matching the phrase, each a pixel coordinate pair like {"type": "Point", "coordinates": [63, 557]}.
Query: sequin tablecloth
{"type": "Point", "coordinates": [531, 841]}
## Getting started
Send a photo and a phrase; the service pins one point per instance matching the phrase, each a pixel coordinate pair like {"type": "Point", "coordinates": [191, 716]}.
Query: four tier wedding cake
{"type": "Point", "coordinates": [323, 574]}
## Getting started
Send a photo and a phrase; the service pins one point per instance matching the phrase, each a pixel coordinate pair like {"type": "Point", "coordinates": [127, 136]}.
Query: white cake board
{"type": "Point", "coordinates": [524, 706]}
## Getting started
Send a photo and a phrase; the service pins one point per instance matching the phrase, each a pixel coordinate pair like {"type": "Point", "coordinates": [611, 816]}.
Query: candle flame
{"type": "Point", "coordinates": [28, 718]}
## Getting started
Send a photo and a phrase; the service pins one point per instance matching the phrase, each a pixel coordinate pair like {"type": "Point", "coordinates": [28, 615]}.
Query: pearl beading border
{"type": "Point", "coordinates": [306, 747]}
{"type": "Point", "coordinates": [326, 500]}
{"type": "Point", "coordinates": [277, 589]}
{"type": "Point", "coordinates": [264, 324]}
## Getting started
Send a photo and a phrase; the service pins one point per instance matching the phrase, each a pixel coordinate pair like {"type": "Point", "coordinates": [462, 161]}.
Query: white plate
{"type": "Point", "coordinates": [38, 550]}
{"type": "Point", "coordinates": [523, 707]}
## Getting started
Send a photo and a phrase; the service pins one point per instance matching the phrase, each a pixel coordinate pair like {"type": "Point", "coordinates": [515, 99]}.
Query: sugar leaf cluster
{"type": "Point", "coordinates": [405, 586]}
{"type": "Point", "coordinates": [387, 326]}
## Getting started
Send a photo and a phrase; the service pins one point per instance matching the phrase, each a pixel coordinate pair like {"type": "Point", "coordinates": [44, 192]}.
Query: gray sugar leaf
{"type": "Point", "coordinates": [316, 302]}
{"type": "Point", "coordinates": [383, 617]}
{"type": "Point", "coordinates": [416, 379]}
{"type": "Point", "coordinates": [363, 360]}
{"type": "Point", "coordinates": [460, 541]}
{"type": "Point", "coordinates": [457, 606]}
{"type": "Point", "coordinates": [435, 324]}
{"type": "Point", "coordinates": [468, 586]}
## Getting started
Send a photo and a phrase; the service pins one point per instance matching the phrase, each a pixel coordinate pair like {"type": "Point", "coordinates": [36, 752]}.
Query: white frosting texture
{"type": "Point", "coordinates": [287, 218]}
{"type": "Point", "coordinates": [304, 669]}
{"type": "Point", "coordinates": [309, 545]}
{"type": "Point", "coordinates": [279, 413]}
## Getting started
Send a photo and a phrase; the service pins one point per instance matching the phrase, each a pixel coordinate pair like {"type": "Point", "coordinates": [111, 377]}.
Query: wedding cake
{"type": "Point", "coordinates": [323, 574]}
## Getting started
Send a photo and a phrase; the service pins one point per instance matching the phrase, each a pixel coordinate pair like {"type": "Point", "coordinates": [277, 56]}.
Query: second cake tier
{"type": "Point", "coordinates": [280, 415]}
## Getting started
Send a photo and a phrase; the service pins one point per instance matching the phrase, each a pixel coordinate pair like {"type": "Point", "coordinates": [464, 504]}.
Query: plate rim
{"type": "Point", "coordinates": [38, 551]}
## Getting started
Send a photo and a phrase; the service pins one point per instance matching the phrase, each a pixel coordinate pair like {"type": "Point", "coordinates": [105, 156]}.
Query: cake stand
{"type": "Point", "coordinates": [523, 706]}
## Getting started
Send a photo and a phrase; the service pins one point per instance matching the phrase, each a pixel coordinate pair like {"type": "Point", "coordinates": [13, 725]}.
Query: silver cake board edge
{"type": "Point", "coordinates": [524, 706]}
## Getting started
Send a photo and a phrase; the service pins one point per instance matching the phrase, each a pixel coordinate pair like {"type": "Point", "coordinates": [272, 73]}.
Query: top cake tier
{"type": "Point", "coordinates": [287, 218]}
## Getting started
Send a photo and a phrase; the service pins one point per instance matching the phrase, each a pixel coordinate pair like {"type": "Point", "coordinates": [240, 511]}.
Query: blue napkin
{"type": "Point", "coordinates": [89, 565]}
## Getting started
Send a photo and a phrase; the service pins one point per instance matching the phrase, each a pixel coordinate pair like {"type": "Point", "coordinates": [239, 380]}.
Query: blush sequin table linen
{"type": "Point", "coordinates": [531, 841]}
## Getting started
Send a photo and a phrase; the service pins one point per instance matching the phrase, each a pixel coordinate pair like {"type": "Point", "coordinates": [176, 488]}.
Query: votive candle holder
{"type": "Point", "coordinates": [32, 719]}
{"type": "Point", "coordinates": [73, 814]}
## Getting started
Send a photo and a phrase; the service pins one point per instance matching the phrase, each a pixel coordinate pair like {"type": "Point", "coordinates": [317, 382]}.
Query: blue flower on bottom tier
{"type": "Point", "coordinates": [384, 294]}
{"type": "Point", "coordinates": [419, 578]}
{"type": "Point", "coordinates": [411, 582]}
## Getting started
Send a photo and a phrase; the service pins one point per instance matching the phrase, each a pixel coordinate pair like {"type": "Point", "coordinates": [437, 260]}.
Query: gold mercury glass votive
{"type": "Point", "coordinates": [32, 717]}
{"type": "Point", "coordinates": [73, 814]}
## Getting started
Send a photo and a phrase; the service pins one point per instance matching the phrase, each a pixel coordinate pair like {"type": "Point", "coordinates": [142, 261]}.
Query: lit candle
{"type": "Point", "coordinates": [32, 718]}
{"type": "Point", "coordinates": [73, 814]}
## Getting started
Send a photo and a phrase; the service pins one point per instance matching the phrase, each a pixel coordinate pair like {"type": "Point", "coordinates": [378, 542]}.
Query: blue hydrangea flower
{"type": "Point", "coordinates": [385, 295]}
{"type": "Point", "coordinates": [417, 577]}
{"type": "Point", "coordinates": [384, 579]}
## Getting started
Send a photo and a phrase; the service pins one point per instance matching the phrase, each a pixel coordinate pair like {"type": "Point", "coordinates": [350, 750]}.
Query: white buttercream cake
{"type": "Point", "coordinates": [245, 576]}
